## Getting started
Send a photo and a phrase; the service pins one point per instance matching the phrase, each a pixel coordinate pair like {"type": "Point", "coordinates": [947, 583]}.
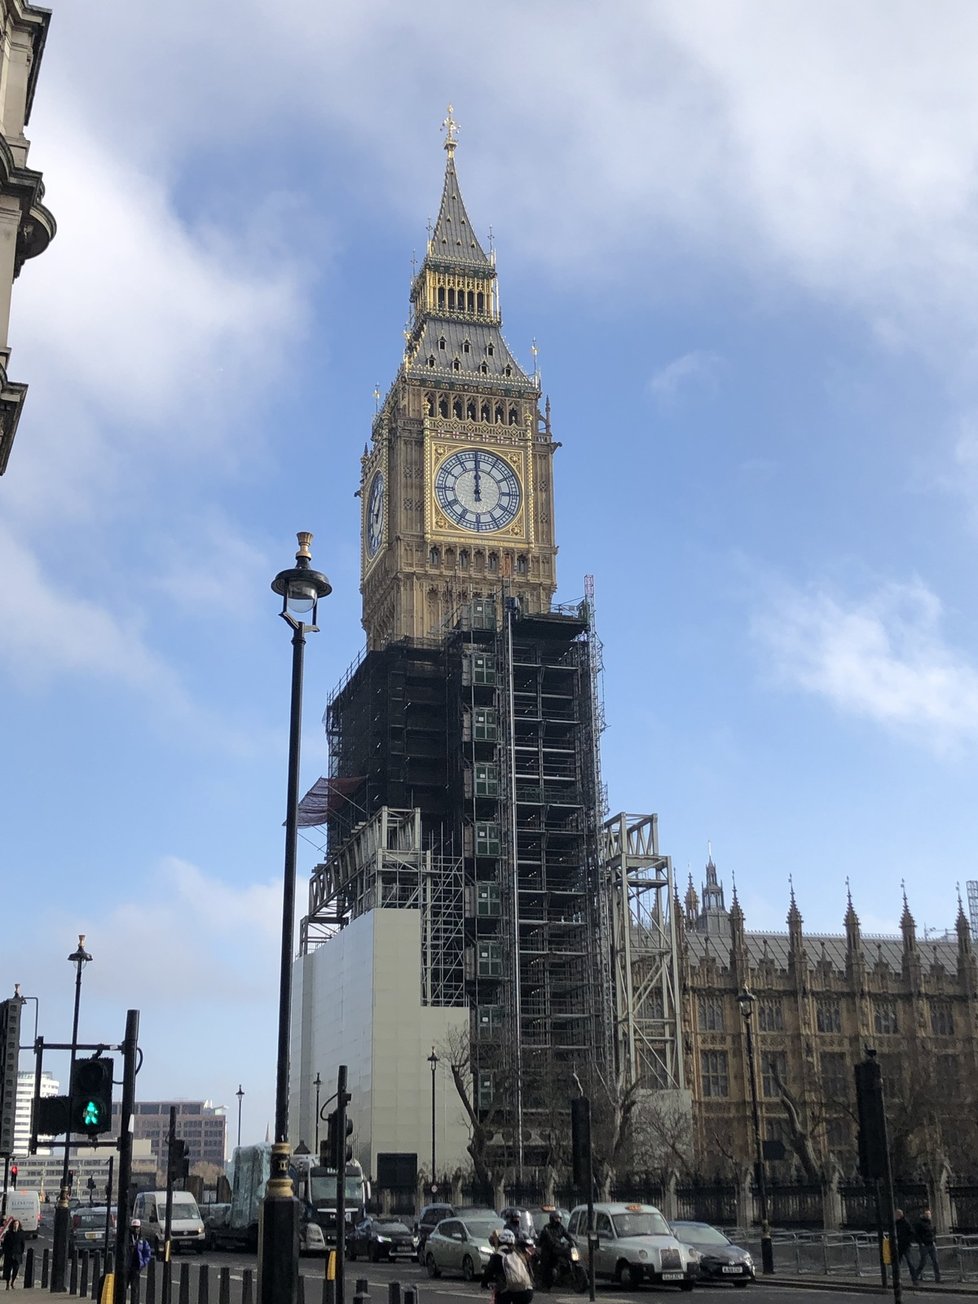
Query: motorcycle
{"type": "Point", "coordinates": [569, 1273]}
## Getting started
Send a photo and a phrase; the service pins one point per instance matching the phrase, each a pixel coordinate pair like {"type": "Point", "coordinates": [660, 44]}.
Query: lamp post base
{"type": "Point", "coordinates": [59, 1245]}
{"type": "Point", "coordinates": [278, 1235]}
{"type": "Point", "coordinates": [767, 1250]}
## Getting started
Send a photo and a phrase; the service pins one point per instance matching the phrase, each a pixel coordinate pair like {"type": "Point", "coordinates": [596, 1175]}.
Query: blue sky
{"type": "Point", "coordinates": [743, 237]}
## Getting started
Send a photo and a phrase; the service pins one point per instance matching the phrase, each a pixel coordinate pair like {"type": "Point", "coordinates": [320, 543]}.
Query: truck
{"type": "Point", "coordinates": [315, 1189]}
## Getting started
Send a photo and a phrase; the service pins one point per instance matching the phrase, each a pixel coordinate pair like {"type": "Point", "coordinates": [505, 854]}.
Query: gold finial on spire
{"type": "Point", "coordinates": [376, 398]}
{"type": "Point", "coordinates": [450, 128]}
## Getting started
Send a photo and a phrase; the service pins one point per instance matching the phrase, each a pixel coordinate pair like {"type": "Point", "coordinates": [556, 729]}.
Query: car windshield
{"type": "Point", "coordinates": [385, 1226]}
{"type": "Point", "coordinates": [322, 1189]}
{"type": "Point", "coordinates": [184, 1208]}
{"type": "Point", "coordinates": [640, 1224]}
{"type": "Point", "coordinates": [479, 1228]}
{"type": "Point", "coordinates": [701, 1234]}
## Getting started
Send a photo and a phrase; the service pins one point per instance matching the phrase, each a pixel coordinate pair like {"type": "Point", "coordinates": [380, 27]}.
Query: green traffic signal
{"type": "Point", "coordinates": [91, 1096]}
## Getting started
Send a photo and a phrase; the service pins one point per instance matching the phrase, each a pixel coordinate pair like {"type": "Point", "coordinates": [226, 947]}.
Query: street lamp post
{"type": "Point", "coordinates": [433, 1061]}
{"type": "Point", "coordinates": [317, 1082]}
{"type": "Point", "coordinates": [240, 1094]}
{"type": "Point", "coordinates": [747, 1001]}
{"type": "Point", "coordinates": [300, 589]}
{"type": "Point", "coordinates": [62, 1216]}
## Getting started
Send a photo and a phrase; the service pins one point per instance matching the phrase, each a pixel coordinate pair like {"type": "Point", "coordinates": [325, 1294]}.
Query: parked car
{"type": "Point", "coordinates": [460, 1245]}
{"type": "Point", "coordinates": [719, 1259]}
{"type": "Point", "coordinates": [214, 1216]}
{"type": "Point", "coordinates": [635, 1244]}
{"type": "Point", "coordinates": [376, 1237]}
{"type": "Point", "coordinates": [87, 1228]}
{"type": "Point", "coordinates": [427, 1220]}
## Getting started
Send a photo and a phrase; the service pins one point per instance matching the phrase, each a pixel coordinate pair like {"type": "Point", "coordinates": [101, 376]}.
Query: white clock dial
{"type": "Point", "coordinates": [478, 490]}
{"type": "Point", "coordinates": [375, 515]}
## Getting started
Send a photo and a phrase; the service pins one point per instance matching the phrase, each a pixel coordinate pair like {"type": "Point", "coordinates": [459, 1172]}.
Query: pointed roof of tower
{"type": "Point", "coordinates": [851, 919]}
{"type": "Point", "coordinates": [908, 926]}
{"type": "Point", "coordinates": [962, 926]}
{"type": "Point", "coordinates": [794, 914]}
{"type": "Point", "coordinates": [452, 238]}
{"type": "Point", "coordinates": [736, 913]}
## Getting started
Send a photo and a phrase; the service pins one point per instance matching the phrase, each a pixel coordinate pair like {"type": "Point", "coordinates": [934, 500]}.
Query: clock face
{"type": "Point", "coordinates": [477, 490]}
{"type": "Point", "coordinates": [375, 515]}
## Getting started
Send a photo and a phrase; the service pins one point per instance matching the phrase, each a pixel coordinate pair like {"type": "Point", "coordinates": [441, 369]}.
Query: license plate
{"type": "Point", "coordinates": [673, 1276]}
{"type": "Point", "coordinates": [735, 1268]}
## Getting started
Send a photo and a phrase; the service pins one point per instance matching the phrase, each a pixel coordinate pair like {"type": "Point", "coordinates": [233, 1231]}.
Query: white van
{"type": "Point", "coordinates": [186, 1224]}
{"type": "Point", "coordinates": [25, 1205]}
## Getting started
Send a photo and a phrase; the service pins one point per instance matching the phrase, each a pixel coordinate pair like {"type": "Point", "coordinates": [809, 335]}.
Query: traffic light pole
{"type": "Point", "coordinates": [129, 1050]}
{"type": "Point", "coordinates": [171, 1137]}
{"type": "Point", "coordinates": [339, 1158]}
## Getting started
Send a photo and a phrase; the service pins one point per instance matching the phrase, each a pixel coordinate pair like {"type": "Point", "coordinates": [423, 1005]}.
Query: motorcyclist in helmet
{"type": "Point", "coordinates": [550, 1240]}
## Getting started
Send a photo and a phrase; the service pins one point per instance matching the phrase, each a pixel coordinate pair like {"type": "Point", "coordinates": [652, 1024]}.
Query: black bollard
{"type": "Point", "coordinates": [362, 1287]}
{"type": "Point", "coordinates": [393, 1292]}
{"type": "Point", "coordinates": [29, 1268]}
{"type": "Point", "coordinates": [135, 1287]}
{"type": "Point", "coordinates": [151, 1281]}
{"type": "Point", "coordinates": [360, 1299]}
{"type": "Point", "coordinates": [329, 1290]}
{"type": "Point", "coordinates": [83, 1275]}
{"type": "Point", "coordinates": [410, 1295]}
{"type": "Point", "coordinates": [184, 1283]}
{"type": "Point", "coordinates": [45, 1266]}
{"type": "Point", "coordinates": [300, 1290]}
{"type": "Point", "coordinates": [73, 1276]}
{"type": "Point", "coordinates": [96, 1274]}
{"type": "Point", "coordinates": [203, 1285]}
{"type": "Point", "coordinates": [247, 1287]}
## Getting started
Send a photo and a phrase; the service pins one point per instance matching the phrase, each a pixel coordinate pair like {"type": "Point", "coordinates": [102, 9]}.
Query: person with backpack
{"type": "Point", "coordinates": [509, 1272]}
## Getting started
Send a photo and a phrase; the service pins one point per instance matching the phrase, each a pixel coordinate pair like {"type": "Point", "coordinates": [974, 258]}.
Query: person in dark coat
{"type": "Point", "coordinates": [904, 1235]}
{"type": "Point", "coordinates": [923, 1230]}
{"type": "Point", "coordinates": [14, 1244]}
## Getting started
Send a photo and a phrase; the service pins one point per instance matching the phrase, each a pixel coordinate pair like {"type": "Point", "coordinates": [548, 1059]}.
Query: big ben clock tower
{"type": "Point", "coordinates": [460, 901]}
{"type": "Point", "coordinates": [457, 485]}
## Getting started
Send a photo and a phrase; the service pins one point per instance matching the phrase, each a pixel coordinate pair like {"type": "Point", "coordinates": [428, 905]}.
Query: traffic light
{"type": "Point", "coordinates": [178, 1164]}
{"type": "Point", "coordinates": [581, 1141]}
{"type": "Point", "coordinates": [50, 1115]}
{"type": "Point", "coordinates": [9, 1053]}
{"type": "Point", "coordinates": [329, 1150]}
{"type": "Point", "coordinates": [91, 1096]}
{"type": "Point", "coordinates": [13, 1176]}
{"type": "Point", "coordinates": [872, 1120]}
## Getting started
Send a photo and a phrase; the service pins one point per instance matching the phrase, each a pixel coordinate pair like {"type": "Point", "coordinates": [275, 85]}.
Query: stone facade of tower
{"type": "Point", "coordinates": [26, 226]}
{"type": "Point", "coordinates": [821, 1001]}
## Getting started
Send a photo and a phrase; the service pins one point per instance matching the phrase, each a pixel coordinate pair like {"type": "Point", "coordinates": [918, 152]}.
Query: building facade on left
{"type": "Point", "coordinates": [26, 226]}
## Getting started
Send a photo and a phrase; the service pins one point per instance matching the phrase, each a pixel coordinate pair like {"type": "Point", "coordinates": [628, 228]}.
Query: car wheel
{"type": "Point", "coordinates": [375, 1255]}
{"type": "Point", "coordinates": [433, 1269]}
{"type": "Point", "coordinates": [468, 1269]}
{"type": "Point", "coordinates": [628, 1275]}
{"type": "Point", "coordinates": [351, 1251]}
{"type": "Point", "coordinates": [741, 1284]}
{"type": "Point", "coordinates": [686, 1285]}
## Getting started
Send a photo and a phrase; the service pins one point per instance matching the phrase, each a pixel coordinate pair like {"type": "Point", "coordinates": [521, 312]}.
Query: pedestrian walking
{"type": "Point", "coordinates": [140, 1251]}
{"type": "Point", "coordinates": [905, 1242]}
{"type": "Point", "coordinates": [923, 1230]}
{"type": "Point", "coordinates": [14, 1243]}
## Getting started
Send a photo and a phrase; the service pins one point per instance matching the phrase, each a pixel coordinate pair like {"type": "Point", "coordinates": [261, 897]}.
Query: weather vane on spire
{"type": "Point", "coordinates": [450, 128]}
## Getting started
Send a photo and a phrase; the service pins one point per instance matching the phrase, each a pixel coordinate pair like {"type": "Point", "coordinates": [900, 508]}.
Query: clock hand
{"type": "Point", "coordinates": [478, 494]}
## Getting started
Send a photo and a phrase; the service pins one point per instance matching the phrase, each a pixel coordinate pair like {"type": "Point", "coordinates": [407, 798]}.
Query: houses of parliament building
{"type": "Point", "coordinates": [821, 1001]}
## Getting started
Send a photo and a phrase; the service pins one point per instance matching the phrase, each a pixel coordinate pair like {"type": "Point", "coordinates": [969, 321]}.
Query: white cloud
{"type": "Point", "coordinates": [883, 658]}
{"type": "Point", "coordinates": [697, 369]}
{"type": "Point", "coordinates": [100, 643]}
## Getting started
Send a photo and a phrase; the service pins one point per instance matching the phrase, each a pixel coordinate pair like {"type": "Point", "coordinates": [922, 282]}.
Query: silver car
{"type": "Point", "coordinates": [460, 1245]}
